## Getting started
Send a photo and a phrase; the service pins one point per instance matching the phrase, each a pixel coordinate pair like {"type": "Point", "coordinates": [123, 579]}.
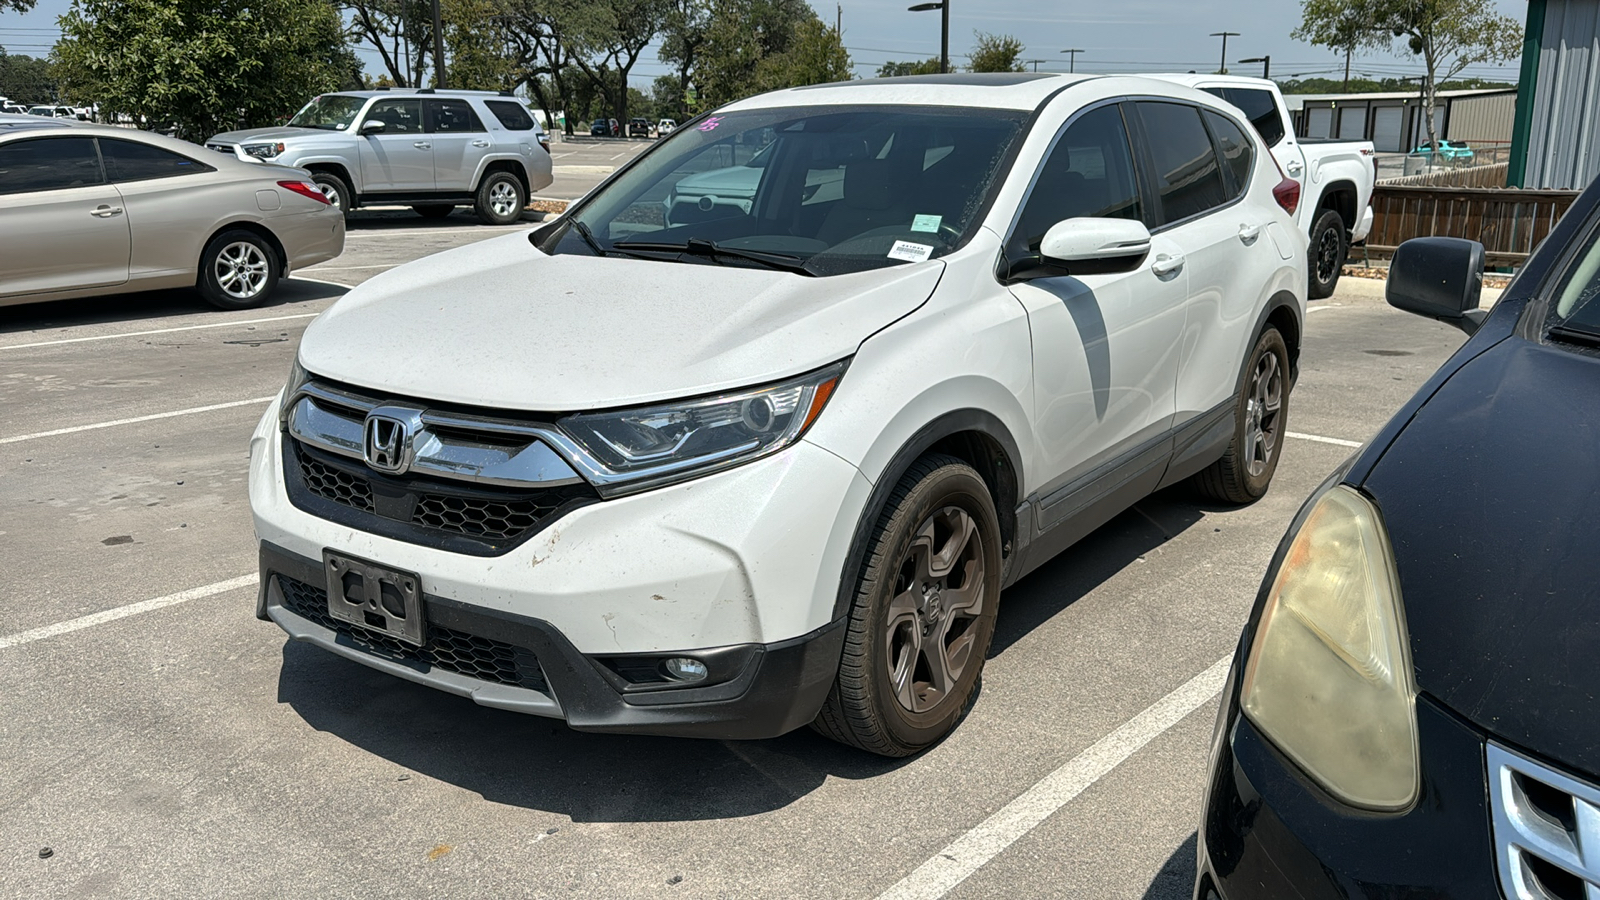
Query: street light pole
{"type": "Point", "coordinates": [1072, 61]}
{"type": "Point", "coordinates": [944, 30]}
{"type": "Point", "coordinates": [1266, 64]}
{"type": "Point", "coordinates": [1224, 35]}
{"type": "Point", "coordinates": [438, 47]}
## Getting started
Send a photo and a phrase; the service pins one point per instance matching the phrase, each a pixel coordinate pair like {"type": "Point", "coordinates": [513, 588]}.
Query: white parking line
{"type": "Point", "coordinates": [122, 612]}
{"type": "Point", "coordinates": [352, 268]}
{"type": "Point", "coordinates": [1337, 442]}
{"type": "Point", "coordinates": [969, 852]}
{"type": "Point", "coordinates": [1321, 308]}
{"type": "Point", "coordinates": [127, 334]}
{"type": "Point", "coordinates": [136, 419]}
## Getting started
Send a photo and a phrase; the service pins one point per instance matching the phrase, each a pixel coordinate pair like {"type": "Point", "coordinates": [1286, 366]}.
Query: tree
{"type": "Point", "coordinates": [1342, 25]}
{"type": "Point", "coordinates": [610, 39]}
{"type": "Point", "coordinates": [743, 34]}
{"type": "Point", "coordinates": [27, 80]}
{"type": "Point", "coordinates": [815, 56]}
{"type": "Point", "coordinates": [995, 53]}
{"type": "Point", "coordinates": [401, 31]}
{"type": "Point", "coordinates": [893, 69]}
{"type": "Point", "coordinates": [201, 65]}
{"type": "Point", "coordinates": [18, 5]}
{"type": "Point", "coordinates": [684, 33]}
{"type": "Point", "coordinates": [479, 55]}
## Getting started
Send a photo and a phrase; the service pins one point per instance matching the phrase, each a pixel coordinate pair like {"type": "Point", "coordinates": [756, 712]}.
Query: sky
{"type": "Point", "coordinates": [1119, 36]}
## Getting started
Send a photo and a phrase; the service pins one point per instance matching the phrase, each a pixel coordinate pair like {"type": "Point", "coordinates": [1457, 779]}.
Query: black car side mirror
{"type": "Point", "coordinates": [1439, 278]}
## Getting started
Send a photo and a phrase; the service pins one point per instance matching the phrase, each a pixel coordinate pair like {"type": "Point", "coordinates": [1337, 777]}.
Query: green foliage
{"type": "Point", "coordinates": [815, 56]}
{"type": "Point", "coordinates": [18, 5]}
{"type": "Point", "coordinates": [743, 38]}
{"type": "Point", "coordinates": [893, 69]}
{"type": "Point", "coordinates": [201, 65]}
{"type": "Point", "coordinates": [995, 53]}
{"type": "Point", "coordinates": [27, 80]}
{"type": "Point", "coordinates": [477, 51]}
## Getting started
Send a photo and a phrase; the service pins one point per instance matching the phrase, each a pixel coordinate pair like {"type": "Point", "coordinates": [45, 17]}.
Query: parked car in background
{"type": "Point", "coordinates": [666, 127]}
{"type": "Point", "coordinates": [638, 128]}
{"type": "Point", "coordinates": [600, 128]}
{"type": "Point", "coordinates": [1411, 708]}
{"type": "Point", "coordinates": [787, 484]}
{"type": "Point", "coordinates": [13, 109]}
{"type": "Point", "coordinates": [430, 150]}
{"type": "Point", "coordinates": [54, 112]}
{"type": "Point", "coordinates": [93, 209]}
{"type": "Point", "coordinates": [1336, 177]}
{"type": "Point", "coordinates": [1446, 151]}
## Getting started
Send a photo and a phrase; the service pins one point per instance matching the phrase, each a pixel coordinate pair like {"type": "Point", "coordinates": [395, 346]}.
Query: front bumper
{"type": "Point", "coordinates": [1269, 832]}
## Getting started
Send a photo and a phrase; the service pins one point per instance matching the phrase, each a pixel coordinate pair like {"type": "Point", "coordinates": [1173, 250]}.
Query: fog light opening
{"type": "Point", "coordinates": [685, 669]}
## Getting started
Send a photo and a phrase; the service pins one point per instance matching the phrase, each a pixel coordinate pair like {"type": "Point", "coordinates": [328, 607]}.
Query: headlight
{"type": "Point", "coordinates": [651, 445]}
{"type": "Point", "coordinates": [1329, 675]}
{"type": "Point", "coordinates": [298, 377]}
{"type": "Point", "coordinates": [263, 151]}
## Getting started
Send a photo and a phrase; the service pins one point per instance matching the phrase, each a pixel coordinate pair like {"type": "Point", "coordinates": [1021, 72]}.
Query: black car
{"type": "Point", "coordinates": [600, 128]}
{"type": "Point", "coordinates": [638, 128]}
{"type": "Point", "coordinates": [1413, 708]}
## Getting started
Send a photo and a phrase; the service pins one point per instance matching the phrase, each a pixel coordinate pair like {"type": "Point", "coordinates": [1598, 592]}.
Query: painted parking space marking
{"type": "Point", "coordinates": [971, 851]}
{"type": "Point", "coordinates": [17, 439]}
{"type": "Point", "coordinates": [128, 334]}
{"type": "Point", "coordinates": [1317, 438]}
{"type": "Point", "coordinates": [122, 612]}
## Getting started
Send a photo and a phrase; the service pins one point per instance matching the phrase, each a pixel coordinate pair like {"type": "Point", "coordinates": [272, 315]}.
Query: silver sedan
{"type": "Point", "coordinates": [91, 209]}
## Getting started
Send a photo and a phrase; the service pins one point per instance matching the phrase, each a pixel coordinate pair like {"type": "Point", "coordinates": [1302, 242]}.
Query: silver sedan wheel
{"type": "Point", "coordinates": [933, 617]}
{"type": "Point", "coordinates": [503, 198]}
{"type": "Point", "coordinates": [241, 270]}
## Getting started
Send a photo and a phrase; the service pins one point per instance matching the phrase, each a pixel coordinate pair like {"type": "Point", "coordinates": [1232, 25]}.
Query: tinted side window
{"type": "Point", "coordinates": [48, 164]}
{"type": "Point", "coordinates": [1089, 173]}
{"type": "Point", "coordinates": [453, 117]}
{"type": "Point", "coordinates": [511, 114]}
{"type": "Point", "coordinates": [133, 161]}
{"type": "Point", "coordinates": [397, 116]}
{"type": "Point", "coordinates": [1260, 108]}
{"type": "Point", "coordinates": [1237, 153]}
{"type": "Point", "coordinates": [1187, 174]}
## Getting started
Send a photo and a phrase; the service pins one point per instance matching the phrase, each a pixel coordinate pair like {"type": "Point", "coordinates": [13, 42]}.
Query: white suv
{"type": "Point", "coordinates": [773, 465]}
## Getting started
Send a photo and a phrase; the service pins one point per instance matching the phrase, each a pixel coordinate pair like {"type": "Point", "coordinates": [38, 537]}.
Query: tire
{"type": "Point", "coordinates": [335, 189]}
{"type": "Point", "coordinates": [433, 210]}
{"type": "Point", "coordinates": [1326, 259]}
{"type": "Point", "coordinates": [877, 702]}
{"type": "Point", "coordinates": [500, 199]}
{"type": "Point", "coordinates": [1260, 421]}
{"type": "Point", "coordinates": [238, 270]}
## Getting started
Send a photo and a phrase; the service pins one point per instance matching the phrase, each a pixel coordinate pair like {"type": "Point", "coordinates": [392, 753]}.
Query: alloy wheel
{"type": "Point", "coordinates": [334, 196]}
{"type": "Point", "coordinates": [503, 198]}
{"type": "Point", "coordinates": [241, 270]}
{"type": "Point", "coordinates": [1262, 413]}
{"type": "Point", "coordinates": [933, 618]}
{"type": "Point", "coordinates": [1327, 255]}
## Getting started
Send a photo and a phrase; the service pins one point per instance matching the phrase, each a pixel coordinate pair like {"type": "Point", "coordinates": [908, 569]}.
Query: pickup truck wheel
{"type": "Point", "coordinates": [1327, 253]}
{"type": "Point", "coordinates": [923, 615]}
{"type": "Point", "coordinates": [1260, 420]}
{"type": "Point", "coordinates": [238, 270]}
{"type": "Point", "coordinates": [334, 188]}
{"type": "Point", "coordinates": [500, 199]}
{"type": "Point", "coordinates": [434, 210]}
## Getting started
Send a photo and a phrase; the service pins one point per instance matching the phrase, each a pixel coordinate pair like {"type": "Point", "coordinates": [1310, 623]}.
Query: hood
{"type": "Point", "coordinates": [282, 133]}
{"type": "Point", "coordinates": [733, 181]}
{"type": "Point", "coordinates": [499, 324]}
{"type": "Point", "coordinates": [1492, 500]}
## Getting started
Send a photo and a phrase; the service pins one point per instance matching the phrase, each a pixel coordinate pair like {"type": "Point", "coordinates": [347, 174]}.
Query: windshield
{"type": "Point", "coordinates": [333, 112]}
{"type": "Point", "coordinates": [823, 190]}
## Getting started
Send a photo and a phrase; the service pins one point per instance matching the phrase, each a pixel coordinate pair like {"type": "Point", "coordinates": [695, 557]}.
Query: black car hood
{"type": "Point", "coordinates": [1492, 500]}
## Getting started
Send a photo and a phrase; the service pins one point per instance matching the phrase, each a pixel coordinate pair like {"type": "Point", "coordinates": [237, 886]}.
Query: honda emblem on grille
{"type": "Point", "coordinates": [387, 447]}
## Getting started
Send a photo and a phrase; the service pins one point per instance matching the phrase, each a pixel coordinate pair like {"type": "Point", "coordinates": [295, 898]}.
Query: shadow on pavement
{"type": "Point", "coordinates": [402, 218]}
{"type": "Point", "coordinates": [151, 306]}
{"type": "Point", "coordinates": [1175, 881]}
{"type": "Point", "coordinates": [537, 763]}
{"type": "Point", "coordinates": [1063, 581]}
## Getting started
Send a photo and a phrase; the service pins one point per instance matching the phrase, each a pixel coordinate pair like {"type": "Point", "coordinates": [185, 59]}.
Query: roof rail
{"type": "Point", "coordinates": [426, 91]}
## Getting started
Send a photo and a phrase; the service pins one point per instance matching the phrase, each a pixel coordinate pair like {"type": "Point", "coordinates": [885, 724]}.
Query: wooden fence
{"type": "Point", "coordinates": [1509, 223]}
{"type": "Point", "coordinates": [1489, 176]}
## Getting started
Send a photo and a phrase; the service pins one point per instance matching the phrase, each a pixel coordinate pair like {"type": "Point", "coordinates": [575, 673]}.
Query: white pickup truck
{"type": "Point", "coordinates": [1336, 177]}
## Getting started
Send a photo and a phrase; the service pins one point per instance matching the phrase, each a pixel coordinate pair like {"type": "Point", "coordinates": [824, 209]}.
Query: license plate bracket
{"type": "Point", "coordinates": [375, 597]}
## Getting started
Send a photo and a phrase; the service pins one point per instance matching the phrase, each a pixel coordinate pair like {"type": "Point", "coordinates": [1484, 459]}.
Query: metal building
{"type": "Point", "coordinates": [1554, 144]}
{"type": "Point", "coordinates": [1394, 123]}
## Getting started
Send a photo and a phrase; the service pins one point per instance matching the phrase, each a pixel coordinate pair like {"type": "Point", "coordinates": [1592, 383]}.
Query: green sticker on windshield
{"type": "Point", "coordinates": [929, 224]}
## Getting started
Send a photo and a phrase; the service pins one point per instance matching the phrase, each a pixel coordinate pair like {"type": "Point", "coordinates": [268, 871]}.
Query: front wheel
{"type": "Point", "coordinates": [335, 190]}
{"type": "Point", "coordinates": [238, 270]}
{"type": "Point", "coordinates": [500, 199]}
{"type": "Point", "coordinates": [923, 614]}
{"type": "Point", "coordinates": [1260, 422]}
{"type": "Point", "coordinates": [1327, 254]}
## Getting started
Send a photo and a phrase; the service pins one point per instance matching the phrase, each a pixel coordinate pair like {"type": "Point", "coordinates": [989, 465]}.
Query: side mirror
{"type": "Point", "coordinates": [1086, 246]}
{"type": "Point", "coordinates": [1439, 278]}
{"type": "Point", "coordinates": [373, 126]}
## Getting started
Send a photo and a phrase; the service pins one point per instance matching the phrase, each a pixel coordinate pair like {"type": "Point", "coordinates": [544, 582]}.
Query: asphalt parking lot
{"type": "Point", "coordinates": [162, 742]}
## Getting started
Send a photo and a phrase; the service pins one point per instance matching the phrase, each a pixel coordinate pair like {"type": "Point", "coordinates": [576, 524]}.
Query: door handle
{"type": "Point", "coordinates": [105, 212]}
{"type": "Point", "coordinates": [422, 145]}
{"type": "Point", "coordinates": [480, 143]}
{"type": "Point", "coordinates": [1294, 167]}
{"type": "Point", "coordinates": [1166, 264]}
{"type": "Point", "coordinates": [1248, 233]}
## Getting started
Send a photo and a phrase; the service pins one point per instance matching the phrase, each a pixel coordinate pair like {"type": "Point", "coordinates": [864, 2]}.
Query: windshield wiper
{"type": "Point", "coordinates": [587, 233]}
{"type": "Point", "coordinates": [783, 262]}
{"type": "Point", "coordinates": [1575, 335]}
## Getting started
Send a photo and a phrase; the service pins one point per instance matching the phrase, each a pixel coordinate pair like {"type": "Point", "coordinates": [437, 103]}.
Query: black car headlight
{"type": "Point", "coordinates": [1329, 676]}
{"type": "Point", "coordinates": [652, 445]}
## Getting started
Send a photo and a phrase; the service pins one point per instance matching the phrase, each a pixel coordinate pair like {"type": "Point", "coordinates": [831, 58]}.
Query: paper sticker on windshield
{"type": "Point", "coordinates": [929, 224]}
{"type": "Point", "coordinates": [910, 252]}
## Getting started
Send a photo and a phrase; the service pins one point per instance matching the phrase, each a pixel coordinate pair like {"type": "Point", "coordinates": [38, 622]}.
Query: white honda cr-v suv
{"type": "Point", "coordinates": [770, 460]}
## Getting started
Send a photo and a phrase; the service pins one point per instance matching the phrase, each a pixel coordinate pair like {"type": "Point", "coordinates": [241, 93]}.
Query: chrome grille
{"type": "Point", "coordinates": [1546, 830]}
{"type": "Point", "coordinates": [221, 148]}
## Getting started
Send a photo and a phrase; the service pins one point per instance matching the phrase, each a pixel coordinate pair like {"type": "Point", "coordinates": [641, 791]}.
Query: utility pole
{"type": "Point", "coordinates": [1224, 35]}
{"type": "Point", "coordinates": [838, 21]}
{"type": "Point", "coordinates": [1266, 64]}
{"type": "Point", "coordinates": [1347, 51]}
{"type": "Point", "coordinates": [1035, 63]}
{"type": "Point", "coordinates": [438, 47]}
{"type": "Point", "coordinates": [1072, 61]}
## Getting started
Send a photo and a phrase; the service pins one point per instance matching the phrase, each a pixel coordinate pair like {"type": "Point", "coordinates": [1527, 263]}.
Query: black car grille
{"type": "Point", "coordinates": [494, 518]}
{"type": "Point", "coordinates": [454, 651]}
